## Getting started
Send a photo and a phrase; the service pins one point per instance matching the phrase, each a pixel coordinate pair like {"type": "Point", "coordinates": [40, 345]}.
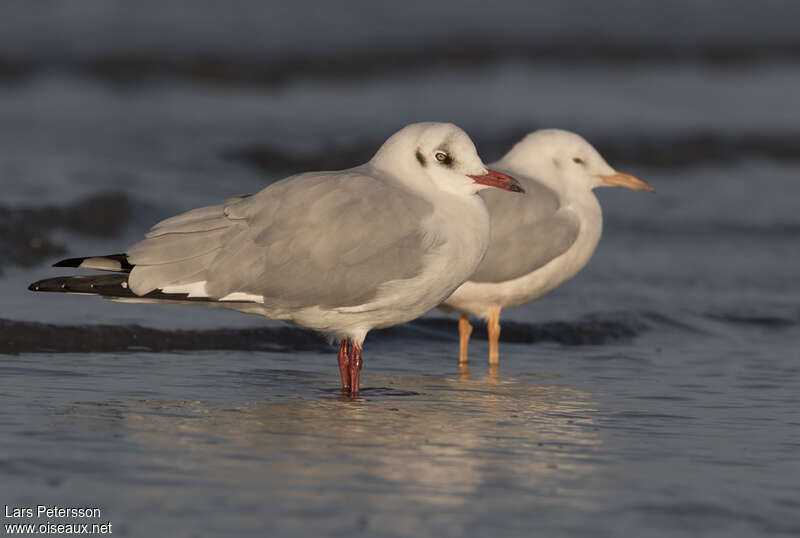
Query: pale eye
{"type": "Point", "coordinates": [578, 160]}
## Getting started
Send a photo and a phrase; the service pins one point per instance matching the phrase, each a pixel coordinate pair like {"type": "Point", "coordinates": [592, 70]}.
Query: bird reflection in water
{"type": "Point", "coordinates": [465, 375]}
{"type": "Point", "coordinates": [437, 447]}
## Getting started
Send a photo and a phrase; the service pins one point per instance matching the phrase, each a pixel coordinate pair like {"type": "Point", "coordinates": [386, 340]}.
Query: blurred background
{"type": "Point", "coordinates": [172, 105]}
{"type": "Point", "coordinates": [658, 388]}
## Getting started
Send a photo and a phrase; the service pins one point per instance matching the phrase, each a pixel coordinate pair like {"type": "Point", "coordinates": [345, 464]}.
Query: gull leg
{"type": "Point", "coordinates": [344, 365]}
{"type": "Point", "coordinates": [463, 371]}
{"type": "Point", "coordinates": [493, 329]}
{"type": "Point", "coordinates": [464, 331]}
{"type": "Point", "coordinates": [355, 368]}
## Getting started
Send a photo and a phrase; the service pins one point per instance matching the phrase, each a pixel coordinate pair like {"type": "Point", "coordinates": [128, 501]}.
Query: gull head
{"type": "Point", "coordinates": [570, 159]}
{"type": "Point", "coordinates": [439, 155]}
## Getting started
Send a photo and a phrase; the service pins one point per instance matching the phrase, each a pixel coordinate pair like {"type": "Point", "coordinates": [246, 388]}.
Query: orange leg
{"type": "Point", "coordinates": [464, 332]}
{"type": "Point", "coordinates": [463, 371]}
{"type": "Point", "coordinates": [493, 328]}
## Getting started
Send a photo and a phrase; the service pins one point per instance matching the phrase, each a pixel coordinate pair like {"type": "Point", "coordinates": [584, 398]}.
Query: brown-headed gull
{"type": "Point", "coordinates": [338, 252]}
{"type": "Point", "coordinates": [542, 239]}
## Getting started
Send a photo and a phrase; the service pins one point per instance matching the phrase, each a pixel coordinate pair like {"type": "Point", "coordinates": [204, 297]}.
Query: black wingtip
{"type": "Point", "coordinates": [34, 286]}
{"type": "Point", "coordinates": [69, 262]}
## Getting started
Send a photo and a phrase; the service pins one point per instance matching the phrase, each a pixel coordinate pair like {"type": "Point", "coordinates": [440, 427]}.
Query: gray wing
{"type": "Point", "coordinates": [319, 239]}
{"type": "Point", "coordinates": [528, 231]}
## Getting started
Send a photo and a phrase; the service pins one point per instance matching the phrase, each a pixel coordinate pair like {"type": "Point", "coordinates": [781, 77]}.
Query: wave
{"type": "Point", "coordinates": [270, 70]}
{"type": "Point", "coordinates": [33, 337]}
{"type": "Point", "coordinates": [665, 151]}
{"type": "Point", "coordinates": [701, 515]}
{"type": "Point", "coordinates": [12, 71]}
{"type": "Point", "coordinates": [594, 329]}
{"type": "Point", "coordinates": [765, 321]}
{"type": "Point", "coordinates": [24, 230]}
{"type": "Point", "coordinates": [712, 229]}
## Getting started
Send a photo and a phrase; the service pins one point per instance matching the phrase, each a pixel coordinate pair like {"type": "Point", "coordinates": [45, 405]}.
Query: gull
{"type": "Point", "coordinates": [542, 239]}
{"type": "Point", "coordinates": [338, 252]}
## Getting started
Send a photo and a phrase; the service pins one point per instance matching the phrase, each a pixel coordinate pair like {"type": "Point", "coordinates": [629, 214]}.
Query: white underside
{"type": "Point", "coordinates": [477, 298]}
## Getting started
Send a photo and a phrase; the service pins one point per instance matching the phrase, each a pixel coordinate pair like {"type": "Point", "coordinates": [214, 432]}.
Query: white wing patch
{"type": "Point", "coordinates": [198, 289]}
{"type": "Point", "coordinates": [101, 264]}
{"type": "Point", "coordinates": [241, 296]}
{"type": "Point", "coordinates": [193, 289]}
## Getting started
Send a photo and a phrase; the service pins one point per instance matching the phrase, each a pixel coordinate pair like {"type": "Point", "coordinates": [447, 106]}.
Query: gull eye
{"type": "Point", "coordinates": [578, 160]}
{"type": "Point", "coordinates": [444, 158]}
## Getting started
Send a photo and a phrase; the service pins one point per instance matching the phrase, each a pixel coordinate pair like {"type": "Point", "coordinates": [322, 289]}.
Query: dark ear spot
{"type": "Point", "coordinates": [557, 163]}
{"type": "Point", "coordinates": [420, 158]}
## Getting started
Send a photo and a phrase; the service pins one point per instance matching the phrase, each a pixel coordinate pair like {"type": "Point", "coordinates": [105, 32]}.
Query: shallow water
{"type": "Point", "coordinates": [657, 437]}
{"type": "Point", "coordinates": [656, 394]}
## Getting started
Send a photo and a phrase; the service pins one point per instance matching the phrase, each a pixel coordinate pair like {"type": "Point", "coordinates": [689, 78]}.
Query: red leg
{"type": "Point", "coordinates": [344, 365]}
{"type": "Point", "coordinates": [355, 368]}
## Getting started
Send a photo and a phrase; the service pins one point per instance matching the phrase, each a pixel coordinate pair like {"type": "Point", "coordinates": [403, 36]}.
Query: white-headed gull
{"type": "Point", "coordinates": [542, 239]}
{"type": "Point", "coordinates": [339, 252]}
